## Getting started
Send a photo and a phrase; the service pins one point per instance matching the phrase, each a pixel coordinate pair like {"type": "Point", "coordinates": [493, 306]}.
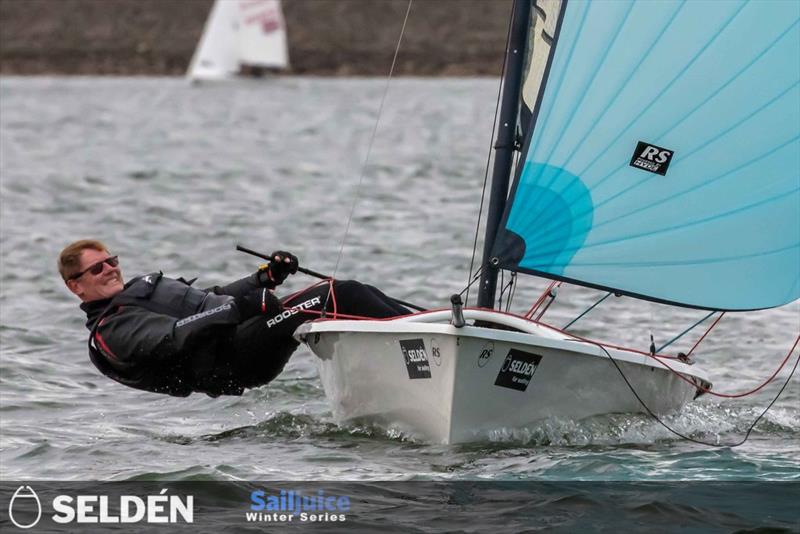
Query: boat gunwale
{"type": "Point", "coordinates": [565, 343]}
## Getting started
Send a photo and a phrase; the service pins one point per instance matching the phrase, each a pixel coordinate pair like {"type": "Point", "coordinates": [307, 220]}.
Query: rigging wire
{"type": "Point", "coordinates": [710, 328]}
{"type": "Point", "coordinates": [590, 308]}
{"type": "Point", "coordinates": [489, 155]}
{"type": "Point", "coordinates": [513, 284]}
{"type": "Point", "coordinates": [357, 195]}
{"type": "Point", "coordinates": [474, 279]}
{"type": "Point", "coordinates": [661, 357]}
{"type": "Point", "coordinates": [701, 442]}
{"type": "Point", "coordinates": [502, 289]}
{"type": "Point", "coordinates": [551, 296]}
{"type": "Point", "coordinates": [509, 287]}
{"type": "Point", "coordinates": [735, 395]}
{"type": "Point", "coordinates": [676, 338]}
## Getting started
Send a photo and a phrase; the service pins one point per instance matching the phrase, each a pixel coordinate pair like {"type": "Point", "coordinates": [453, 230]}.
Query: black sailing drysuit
{"type": "Point", "coordinates": [162, 335]}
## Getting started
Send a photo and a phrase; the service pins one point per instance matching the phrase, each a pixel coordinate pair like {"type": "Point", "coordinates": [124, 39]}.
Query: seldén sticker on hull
{"type": "Point", "coordinates": [416, 358]}
{"type": "Point", "coordinates": [517, 370]}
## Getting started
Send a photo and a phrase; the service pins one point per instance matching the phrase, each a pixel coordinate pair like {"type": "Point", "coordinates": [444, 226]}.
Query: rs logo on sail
{"type": "Point", "coordinates": [651, 158]}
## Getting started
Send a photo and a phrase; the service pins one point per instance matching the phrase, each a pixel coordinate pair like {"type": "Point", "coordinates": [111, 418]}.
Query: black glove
{"type": "Point", "coordinates": [257, 302]}
{"type": "Point", "coordinates": [281, 265]}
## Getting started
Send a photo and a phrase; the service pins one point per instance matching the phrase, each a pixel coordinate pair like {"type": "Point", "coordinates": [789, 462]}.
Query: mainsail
{"type": "Point", "coordinates": [663, 157]}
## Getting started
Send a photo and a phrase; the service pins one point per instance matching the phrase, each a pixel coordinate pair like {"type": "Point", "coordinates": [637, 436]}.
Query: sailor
{"type": "Point", "coordinates": [162, 335]}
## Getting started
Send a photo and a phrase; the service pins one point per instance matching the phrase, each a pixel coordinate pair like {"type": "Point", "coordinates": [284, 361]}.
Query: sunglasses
{"type": "Point", "coordinates": [97, 268]}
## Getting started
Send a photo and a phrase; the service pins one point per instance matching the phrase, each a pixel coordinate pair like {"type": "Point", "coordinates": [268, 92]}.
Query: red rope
{"type": "Point", "coordinates": [593, 342]}
{"type": "Point", "coordinates": [333, 298]}
{"type": "Point", "coordinates": [328, 281]}
{"type": "Point", "coordinates": [312, 286]}
{"type": "Point", "coordinates": [704, 335]}
{"type": "Point", "coordinates": [335, 312]}
{"type": "Point", "coordinates": [541, 298]}
{"type": "Point", "coordinates": [660, 357]}
{"type": "Point", "coordinates": [318, 313]}
{"type": "Point", "coordinates": [737, 395]}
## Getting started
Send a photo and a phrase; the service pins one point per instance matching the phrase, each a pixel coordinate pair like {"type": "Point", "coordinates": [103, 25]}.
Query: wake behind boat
{"type": "Point", "coordinates": [655, 154]}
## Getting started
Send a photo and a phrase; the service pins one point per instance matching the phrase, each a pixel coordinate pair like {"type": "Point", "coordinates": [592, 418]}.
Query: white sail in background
{"type": "Point", "coordinates": [216, 56]}
{"type": "Point", "coordinates": [262, 34]}
{"type": "Point", "coordinates": [240, 36]}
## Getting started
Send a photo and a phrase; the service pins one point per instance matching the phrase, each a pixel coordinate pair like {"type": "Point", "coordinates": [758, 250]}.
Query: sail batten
{"type": "Point", "coordinates": [664, 160]}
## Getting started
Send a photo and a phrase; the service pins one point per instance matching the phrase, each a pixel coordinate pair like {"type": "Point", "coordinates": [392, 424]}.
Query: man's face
{"type": "Point", "coordinates": [102, 285]}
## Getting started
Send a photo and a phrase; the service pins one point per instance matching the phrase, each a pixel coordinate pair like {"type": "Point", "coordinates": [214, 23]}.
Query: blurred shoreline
{"type": "Point", "coordinates": [326, 37]}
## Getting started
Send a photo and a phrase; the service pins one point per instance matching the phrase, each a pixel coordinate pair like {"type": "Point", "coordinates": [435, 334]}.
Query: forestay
{"type": "Point", "coordinates": [664, 155]}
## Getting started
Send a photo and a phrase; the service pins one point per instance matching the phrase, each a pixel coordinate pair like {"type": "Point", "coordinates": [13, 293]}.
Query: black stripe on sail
{"type": "Point", "coordinates": [506, 247]}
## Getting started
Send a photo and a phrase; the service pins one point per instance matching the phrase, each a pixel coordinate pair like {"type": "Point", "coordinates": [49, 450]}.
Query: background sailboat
{"type": "Point", "coordinates": [659, 156]}
{"type": "Point", "coordinates": [241, 37]}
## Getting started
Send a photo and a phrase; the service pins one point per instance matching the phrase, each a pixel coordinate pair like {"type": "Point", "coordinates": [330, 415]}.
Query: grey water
{"type": "Point", "coordinates": [171, 176]}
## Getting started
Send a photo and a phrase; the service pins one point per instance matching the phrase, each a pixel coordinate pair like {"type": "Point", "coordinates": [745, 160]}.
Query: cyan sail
{"type": "Point", "coordinates": [663, 159]}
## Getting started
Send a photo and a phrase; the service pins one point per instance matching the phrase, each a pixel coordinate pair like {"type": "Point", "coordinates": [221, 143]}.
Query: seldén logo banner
{"type": "Point", "coordinates": [431, 506]}
{"type": "Point", "coordinates": [51, 505]}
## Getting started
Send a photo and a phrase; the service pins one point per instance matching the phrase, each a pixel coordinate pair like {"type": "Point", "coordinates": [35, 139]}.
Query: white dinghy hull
{"type": "Point", "coordinates": [431, 380]}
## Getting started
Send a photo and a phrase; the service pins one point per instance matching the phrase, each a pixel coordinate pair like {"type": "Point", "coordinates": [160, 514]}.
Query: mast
{"type": "Point", "coordinates": [504, 147]}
